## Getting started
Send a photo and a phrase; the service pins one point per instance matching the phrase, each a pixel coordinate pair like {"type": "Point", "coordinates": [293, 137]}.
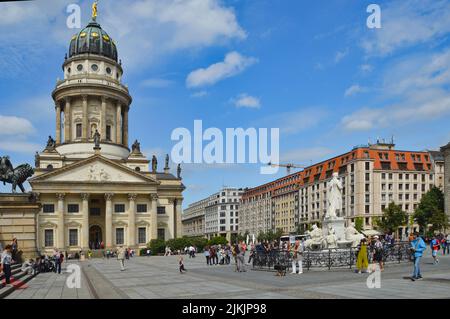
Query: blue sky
{"type": "Point", "coordinates": [311, 68]}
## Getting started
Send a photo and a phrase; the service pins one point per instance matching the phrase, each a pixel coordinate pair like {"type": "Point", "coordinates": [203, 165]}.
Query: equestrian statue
{"type": "Point", "coordinates": [15, 176]}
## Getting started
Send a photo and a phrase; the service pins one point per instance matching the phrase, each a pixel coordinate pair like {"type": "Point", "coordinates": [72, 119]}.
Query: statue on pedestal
{"type": "Point", "coordinates": [96, 140]}
{"type": "Point", "coordinates": [317, 241]}
{"type": "Point", "coordinates": [331, 238]}
{"type": "Point", "coordinates": [154, 164]}
{"type": "Point", "coordinates": [167, 162]}
{"type": "Point", "coordinates": [136, 147]}
{"type": "Point", "coordinates": [15, 176]}
{"type": "Point", "coordinates": [351, 234]}
{"type": "Point", "coordinates": [334, 197]}
{"type": "Point", "coordinates": [51, 143]}
{"type": "Point", "coordinates": [179, 171]}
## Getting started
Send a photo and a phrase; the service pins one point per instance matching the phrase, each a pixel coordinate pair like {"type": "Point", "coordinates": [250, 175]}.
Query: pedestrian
{"type": "Point", "coordinates": [241, 256]}
{"type": "Point", "coordinates": [443, 244]}
{"type": "Point", "coordinates": [235, 252]}
{"type": "Point", "coordinates": [435, 246]}
{"type": "Point", "coordinates": [362, 262]}
{"type": "Point", "coordinates": [181, 264]}
{"type": "Point", "coordinates": [418, 246]}
{"type": "Point", "coordinates": [252, 254]}
{"type": "Point", "coordinates": [121, 258]}
{"type": "Point", "coordinates": [5, 263]}
{"type": "Point", "coordinates": [207, 256]}
{"type": "Point", "coordinates": [296, 253]}
{"type": "Point", "coordinates": [14, 249]}
{"type": "Point", "coordinates": [447, 243]}
{"type": "Point", "coordinates": [57, 258]}
{"type": "Point", "coordinates": [377, 253]}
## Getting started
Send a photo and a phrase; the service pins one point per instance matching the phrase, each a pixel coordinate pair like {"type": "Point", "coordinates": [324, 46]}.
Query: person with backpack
{"type": "Point", "coordinates": [435, 246]}
{"type": "Point", "coordinates": [377, 253]}
{"type": "Point", "coordinates": [418, 246]}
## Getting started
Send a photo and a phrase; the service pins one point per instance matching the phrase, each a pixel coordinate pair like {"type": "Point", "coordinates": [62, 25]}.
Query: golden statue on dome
{"type": "Point", "coordinates": [94, 10]}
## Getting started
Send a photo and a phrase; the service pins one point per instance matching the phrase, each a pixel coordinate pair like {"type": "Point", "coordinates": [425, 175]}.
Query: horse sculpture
{"type": "Point", "coordinates": [15, 176]}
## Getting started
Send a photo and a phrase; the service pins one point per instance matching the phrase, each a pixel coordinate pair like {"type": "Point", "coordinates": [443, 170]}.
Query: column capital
{"type": "Point", "coordinates": [132, 197]}
{"type": "Point", "coordinates": [109, 196]}
{"type": "Point", "coordinates": [60, 196]}
{"type": "Point", "coordinates": [67, 99]}
{"type": "Point", "coordinates": [154, 197]}
{"type": "Point", "coordinates": [103, 98]}
{"type": "Point", "coordinates": [84, 196]}
{"type": "Point", "coordinates": [84, 97]}
{"type": "Point", "coordinates": [171, 200]}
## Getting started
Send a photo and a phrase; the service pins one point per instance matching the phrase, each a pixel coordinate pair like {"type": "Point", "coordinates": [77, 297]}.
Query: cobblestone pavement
{"type": "Point", "coordinates": [158, 277]}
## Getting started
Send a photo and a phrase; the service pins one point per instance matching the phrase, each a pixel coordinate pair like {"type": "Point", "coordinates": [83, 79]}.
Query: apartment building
{"type": "Point", "coordinates": [372, 176]}
{"type": "Point", "coordinates": [218, 214]}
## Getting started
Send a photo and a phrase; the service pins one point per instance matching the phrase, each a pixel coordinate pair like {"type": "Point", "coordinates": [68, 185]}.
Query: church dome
{"type": "Point", "coordinates": [93, 40]}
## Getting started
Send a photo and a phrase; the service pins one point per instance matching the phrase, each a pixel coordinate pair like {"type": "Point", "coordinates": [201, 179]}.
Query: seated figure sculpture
{"type": "Point", "coordinates": [351, 234]}
{"type": "Point", "coordinates": [317, 240]}
{"type": "Point", "coordinates": [331, 238]}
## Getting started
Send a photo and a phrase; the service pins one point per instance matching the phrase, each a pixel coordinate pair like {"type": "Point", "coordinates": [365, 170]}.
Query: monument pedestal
{"type": "Point", "coordinates": [18, 220]}
{"type": "Point", "coordinates": [338, 225]}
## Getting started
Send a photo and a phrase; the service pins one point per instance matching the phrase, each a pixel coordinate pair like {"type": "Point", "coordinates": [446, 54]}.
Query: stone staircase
{"type": "Point", "coordinates": [18, 280]}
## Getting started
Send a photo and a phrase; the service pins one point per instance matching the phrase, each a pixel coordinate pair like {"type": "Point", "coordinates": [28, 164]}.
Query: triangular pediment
{"type": "Point", "coordinates": [95, 169]}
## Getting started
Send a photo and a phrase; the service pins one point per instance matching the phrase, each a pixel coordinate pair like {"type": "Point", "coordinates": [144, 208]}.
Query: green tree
{"type": "Point", "coordinates": [157, 246]}
{"type": "Point", "coordinates": [218, 240]}
{"type": "Point", "coordinates": [261, 236]}
{"type": "Point", "coordinates": [431, 211]}
{"type": "Point", "coordinates": [393, 218]}
{"type": "Point", "coordinates": [278, 234]}
{"type": "Point", "coordinates": [359, 223]}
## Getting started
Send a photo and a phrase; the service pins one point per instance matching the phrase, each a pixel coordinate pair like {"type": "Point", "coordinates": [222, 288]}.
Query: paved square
{"type": "Point", "coordinates": [158, 277]}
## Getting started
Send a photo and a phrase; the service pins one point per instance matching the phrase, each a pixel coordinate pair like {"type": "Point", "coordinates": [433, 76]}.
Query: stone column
{"type": "Point", "coordinates": [118, 123]}
{"type": "Point", "coordinates": [108, 220]}
{"type": "Point", "coordinates": [132, 220]}
{"type": "Point", "coordinates": [177, 218]}
{"type": "Point", "coordinates": [125, 127]}
{"type": "Point", "coordinates": [58, 122]}
{"type": "Point", "coordinates": [67, 120]}
{"type": "Point", "coordinates": [85, 131]}
{"type": "Point", "coordinates": [154, 217]}
{"type": "Point", "coordinates": [61, 244]}
{"type": "Point", "coordinates": [103, 119]}
{"type": "Point", "coordinates": [85, 222]}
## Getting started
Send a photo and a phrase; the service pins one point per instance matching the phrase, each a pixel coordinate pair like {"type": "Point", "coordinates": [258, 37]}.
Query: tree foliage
{"type": "Point", "coordinates": [393, 218]}
{"type": "Point", "coordinates": [359, 223]}
{"type": "Point", "coordinates": [430, 211]}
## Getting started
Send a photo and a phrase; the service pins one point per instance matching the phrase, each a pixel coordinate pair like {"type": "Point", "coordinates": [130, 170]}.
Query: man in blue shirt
{"type": "Point", "coordinates": [5, 263]}
{"type": "Point", "coordinates": [418, 246]}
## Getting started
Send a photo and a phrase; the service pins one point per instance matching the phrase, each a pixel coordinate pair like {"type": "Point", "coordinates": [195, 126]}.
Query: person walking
{"type": "Point", "coordinates": [181, 264]}
{"type": "Point", "coordinates": [5, 263]}
{"type": "Point", "coordinates": [418, 246]}
{"type": "Point", "coordinates": [121, 258]}
{"type": "Point", "coordinates": [435, 246]}
{"type": "Point", "coordinates": [362, 262]}
{"type": "Point", "coordinates": [241, 256]}
{"type": "Point", "coordinates": [57, 258]}
{"type": "Point", "coordinates": [296, 251]}
{"type": "Point", "coordinates": [252, 253]}
{"type": "Point", "coordinates": [207, 255]}
{"type": "Point", "coordinates": [377, 253]}
{"type": "Point", "coordinates": [447, 243]}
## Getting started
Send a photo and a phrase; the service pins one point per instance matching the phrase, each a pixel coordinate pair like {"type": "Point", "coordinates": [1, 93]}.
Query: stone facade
{"type": "Point", "coordinates": [99, 195]}
{"type": "Point", "coordinates": [18, 213]}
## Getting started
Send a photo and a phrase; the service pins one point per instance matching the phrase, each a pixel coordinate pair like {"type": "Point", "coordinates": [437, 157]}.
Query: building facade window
{"type": "Point", "coordinates": [141, 208]}
{"type": "Point", "coordinates": [48, 208]}
{"type": "Point", "coordinates": [120, 236]}
{"type": "Point", "coordinates": [119, 208]}
{"type": "Point", "coordinates": [142, 235]}
{"type": "Point", "coordinates": [73, 208]}
{"type": "Point", "coordinates": [79, 130]}
{"type": "Point", "coordinates": [161, 210]}
{"type": "Point", "coordinates": [161, 234]}
{"type": "Point", "coordinates": [73, 237]}
{"type": "Point", "coordinates": [108, 132]}
{"type": "Point", "coordinates": [48, 238]}
{"type": "Point", "coordinates": [94, 211]}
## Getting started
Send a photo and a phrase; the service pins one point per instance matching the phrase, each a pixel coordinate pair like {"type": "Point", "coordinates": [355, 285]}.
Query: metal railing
{"type": "Point", "coordinates": [329, 258]}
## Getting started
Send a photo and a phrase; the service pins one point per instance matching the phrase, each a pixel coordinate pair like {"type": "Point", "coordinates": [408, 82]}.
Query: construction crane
{"type": "Point", "coordinates": [288, 166]}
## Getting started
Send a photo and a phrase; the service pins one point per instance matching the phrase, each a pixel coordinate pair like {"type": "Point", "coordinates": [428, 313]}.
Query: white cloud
{"type": "Point", "coordinates": [19, 147]}
{"type": "Point", "coordinates": [340, 55]}
{"type": "Point", "coordinates": [366, 68]}
{"type": "Point", "coordinates": [248, 101]}
{"type": "Point", "coordinates": [15, 126]}
{"type": "Point", "coordinates": [233, 64]}
{"type": "Point", "coordinates": [354, 89]}
{"type": "Point", "coordinates": [199, 94]}
{"type": "Point", "coordinates": [407, 23]}
{"type": "Point", "coordinates": [156, 83]}
{"type": "Point", "coordinates": [296, 121]}
{"type": "Point", "coordinates": [144, 30]}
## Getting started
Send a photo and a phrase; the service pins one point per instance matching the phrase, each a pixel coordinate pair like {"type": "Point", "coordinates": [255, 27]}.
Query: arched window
{"type": "Point", "coordinates": [50, 167]}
